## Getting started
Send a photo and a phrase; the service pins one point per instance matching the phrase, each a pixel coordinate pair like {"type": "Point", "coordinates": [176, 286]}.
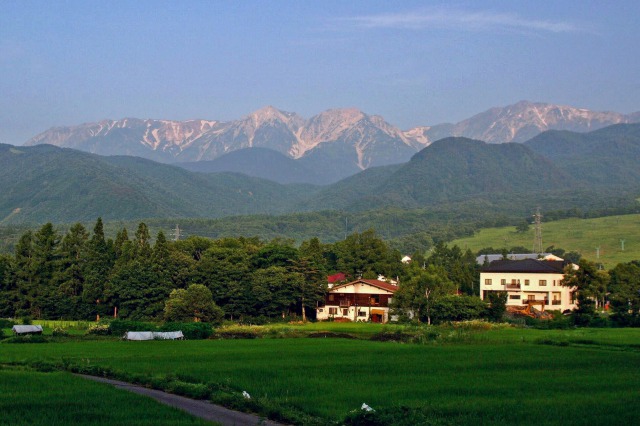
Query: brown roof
{"type": "Point", "coordinates": [375, 283]}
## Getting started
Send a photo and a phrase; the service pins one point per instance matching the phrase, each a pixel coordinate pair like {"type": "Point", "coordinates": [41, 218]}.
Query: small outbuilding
{"type": "Point", "coordinates": [21, 330]}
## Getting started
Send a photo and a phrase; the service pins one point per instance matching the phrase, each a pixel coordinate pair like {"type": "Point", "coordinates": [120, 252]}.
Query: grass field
{"type": "Point", "coordinates": [581, 235]}
{"type": "Point", "coordinates": [495, 376]}
{"type": "Point", "coordinates": [58, 398]}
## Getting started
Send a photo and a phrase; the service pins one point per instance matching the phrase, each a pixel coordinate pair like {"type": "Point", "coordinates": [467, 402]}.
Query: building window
{"type": "Point", "coordinates": [503, 281]}
{"type": "Point", "coordinates": [531, 297]}
{"type": "Point", "coordinates": [331, 297]}
{"type": "Point", "coordinates": [362, 314]}
{"type": "Point", "coordinates": [487, 281]}
{"type": "Point", "coordinates": [375, 299]}
{"type": "Point", "coordinates": [345, 312]}
{"type": "Point", "coordinates": [333, 311]}
{"type": "Point", "coordinates": [542, 282]}
{"type": "Point", "coordinates": [320, 310]}
{"type": "Point", "coordinates": [526, 282]}
{"type": "Point", "coordinates": [514, 296]}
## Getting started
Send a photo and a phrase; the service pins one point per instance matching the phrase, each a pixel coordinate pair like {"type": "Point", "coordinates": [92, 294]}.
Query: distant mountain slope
{"type": "Point", "coordinates": [46, 183]}
{"type": "Point", "coordinates": [453, 169]}
{"type": "Point", "coordinates": [609, 156]}
{"type": "Point", "coordinates": [524, 120]}
{"type": "Point", "coordinates": [262, 163]}
{"type": "Point", "coordinates": [336, 142]}
{"type": "Point", "coordinates": [344, 193]}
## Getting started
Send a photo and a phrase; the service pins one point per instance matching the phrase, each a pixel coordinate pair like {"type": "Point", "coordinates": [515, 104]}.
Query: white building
{"type": "Point", "coordinates": [528, 282]}
{"type": "Point", "coordinates": [360, 300]}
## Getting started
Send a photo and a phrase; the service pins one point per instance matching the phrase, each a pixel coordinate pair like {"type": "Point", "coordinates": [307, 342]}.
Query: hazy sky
{"type": "Point", "coordinates": [413, 62]}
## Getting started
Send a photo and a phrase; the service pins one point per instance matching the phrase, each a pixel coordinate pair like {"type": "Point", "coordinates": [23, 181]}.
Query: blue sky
{"type": "Point", "coordinates": [413, 62]}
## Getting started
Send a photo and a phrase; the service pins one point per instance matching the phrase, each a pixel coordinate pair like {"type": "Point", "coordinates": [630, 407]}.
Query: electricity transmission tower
{"type": "Point", "coordinates": [537, 239]}
{"type": "Point", "coordinates": [177, 233]}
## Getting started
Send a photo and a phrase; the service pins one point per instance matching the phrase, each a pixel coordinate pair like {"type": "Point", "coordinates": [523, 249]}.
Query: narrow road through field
{"type": "Point", "coordinates": [202, 409]}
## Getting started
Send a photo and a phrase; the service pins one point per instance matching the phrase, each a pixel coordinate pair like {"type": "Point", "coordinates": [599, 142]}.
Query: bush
{"type": "Point", "coordinates": [59, 332]}
{"type": "Point", "coordinates": [191, 330]}
{"type": "Point", "coordinates": [119, 327]}
{"type": "Point", "coordinates": [6, 323]}
{"type": "Point", "coordinates": [99, 330]}
{"type": "Point", "coordinates": [238, 332]}
{"type": "Point", "coordinates": [29, 338]}
{"type": "Point", "coordinates": [458, 308]}
{"type": "Point", "coordinates": [26, 320]}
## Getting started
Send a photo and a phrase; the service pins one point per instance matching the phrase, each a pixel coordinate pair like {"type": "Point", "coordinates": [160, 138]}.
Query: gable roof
{"type": "Point", "coordinates": [526, 265]}
{"type": "Point", "coordinates": [375, 283]}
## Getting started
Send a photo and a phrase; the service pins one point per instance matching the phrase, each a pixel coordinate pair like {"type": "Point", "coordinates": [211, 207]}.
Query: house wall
{"type": "Point", "coordinates": [355, 303]}
{"type": "Point", "coordinates": [515, 284]}
{"type": "Point", "coordinates": [323, 313]}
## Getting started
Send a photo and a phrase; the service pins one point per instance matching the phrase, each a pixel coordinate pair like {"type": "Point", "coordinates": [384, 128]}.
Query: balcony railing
{"type": "Point", "coordinates": [512, 286]}
{"type": "Point", "coordinates": [555, 302]}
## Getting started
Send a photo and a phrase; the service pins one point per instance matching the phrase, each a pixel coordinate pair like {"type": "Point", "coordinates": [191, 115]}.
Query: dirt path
{"type": "Point", "coordinates": [202, 409]}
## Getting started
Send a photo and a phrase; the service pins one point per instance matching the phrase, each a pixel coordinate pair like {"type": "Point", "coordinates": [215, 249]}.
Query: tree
{"type": "Point", "coordinates": [99, 260]}
{"type": "Point", "coordinates": [591, 287]}
{"type": "Point", "coordinates": [522, 227]}
{"type": "Point", "coordinates": [195, 304]}
{"type": "Point", "coordinates": [458, 308]}
{"type": "Point", "coordinates": [497, 305]}
{"type": "Point", "coordinates": [274, 291]}
{"type": "Point", "coordinates": [625, 293]}
{"type": "Point", "coordinates": [417, 295]}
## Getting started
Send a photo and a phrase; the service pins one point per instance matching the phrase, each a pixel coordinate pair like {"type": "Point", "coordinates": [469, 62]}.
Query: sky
{"type": "Point", "coordinates": [415, 63]}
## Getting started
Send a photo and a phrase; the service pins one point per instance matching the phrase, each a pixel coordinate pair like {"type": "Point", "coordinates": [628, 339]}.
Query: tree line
{"type": "Point", "coordinates": [82, 274]}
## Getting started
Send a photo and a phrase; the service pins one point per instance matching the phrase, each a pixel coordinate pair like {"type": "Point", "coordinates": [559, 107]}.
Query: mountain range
{"type": "Point", "coordinates": [327, 147]}
{"type": "Point", "coordinates": [560, 169]}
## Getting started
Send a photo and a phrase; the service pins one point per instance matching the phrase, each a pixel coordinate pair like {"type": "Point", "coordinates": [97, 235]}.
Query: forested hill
{"type": "Point", "coordinates": [605, 157]}
{"type": "Point", "coordinates": [46, 183]}
{"type": "Point", "coordinates": [554, 171]}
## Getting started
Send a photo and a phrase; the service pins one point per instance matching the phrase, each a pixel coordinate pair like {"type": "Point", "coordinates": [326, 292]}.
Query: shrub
{"type": "Point", "coordinates": [119, 327]}
{"type": "Point", "coordinates": [29, 338]}
{"type": "Point", "coordinates": [392, 336]}
{"type": "Point", "coordinates": [26, 320]}
{"type": "Point", "coordinates": [6, 323]}
{"type": "Point", "coordinates": [238, 332]}
{"type": "Point", "coordinates": [191, 330]}
{"type": "Point", "coordinates": [458, 308]}
{"type": "Point", "coordinates": [59, 332]}
{"type": "Point", "coordinates": [99, 330]}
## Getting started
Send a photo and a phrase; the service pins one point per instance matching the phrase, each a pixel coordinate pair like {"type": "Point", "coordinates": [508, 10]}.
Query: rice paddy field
{"type": "Point", "coordinates": [59, 398]}
{"type": "Point", "coordinates": [465, 375]}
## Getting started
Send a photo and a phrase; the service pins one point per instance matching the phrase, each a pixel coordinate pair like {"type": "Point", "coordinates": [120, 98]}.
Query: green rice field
{"type": "Point", "coordinates": [499, 375]}
{"type": "Point", "coordinates": [59, 398]}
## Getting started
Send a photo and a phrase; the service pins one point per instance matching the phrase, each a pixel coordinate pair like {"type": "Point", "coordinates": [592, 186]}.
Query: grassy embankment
{"type": "Point", "coordinates": [461, 376]}
{"type": "Point", "coordinates": [581, 235]}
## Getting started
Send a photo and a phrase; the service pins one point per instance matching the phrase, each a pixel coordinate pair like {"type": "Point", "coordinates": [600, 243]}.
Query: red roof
{"type": "Point", "coordinates": [375, 283]}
